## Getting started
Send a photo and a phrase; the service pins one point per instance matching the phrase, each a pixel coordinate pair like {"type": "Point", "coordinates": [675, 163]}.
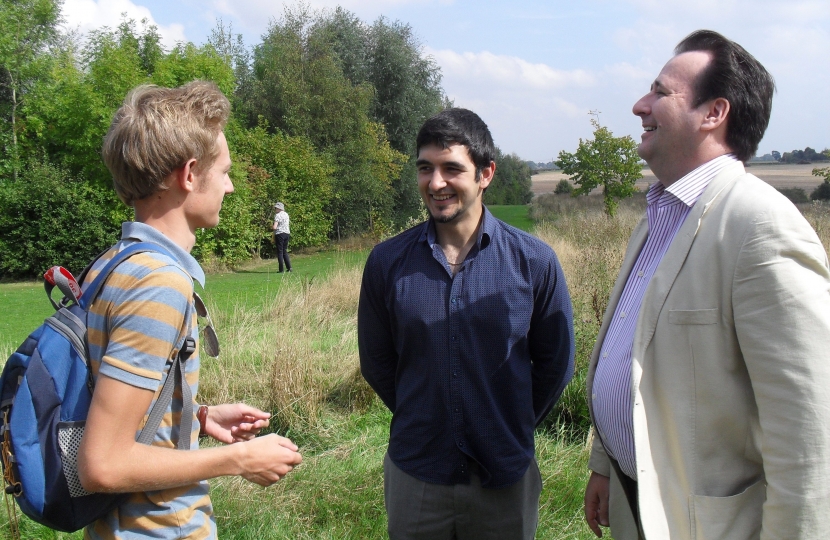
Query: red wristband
{"type": "Point", "coordinates": [202, 416]}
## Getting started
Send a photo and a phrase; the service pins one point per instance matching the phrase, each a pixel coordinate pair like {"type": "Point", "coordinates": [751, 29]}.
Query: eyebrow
{"type": "Point", "coordinates": [456, 164]}
{"type": "Point", "coordinates": [657, 84]}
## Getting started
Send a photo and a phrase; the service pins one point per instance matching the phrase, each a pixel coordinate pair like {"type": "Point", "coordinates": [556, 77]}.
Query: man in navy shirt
{"type": "Point", "coordinates": [466, 334]}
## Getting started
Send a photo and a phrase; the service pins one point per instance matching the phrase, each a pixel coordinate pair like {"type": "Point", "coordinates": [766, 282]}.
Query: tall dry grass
{"type": "Point", "coordinates": [292, 356]}
{"type": "Point", "coordinates": [817, 214]}
{"type": "Point", "coordinates": [590, 247]}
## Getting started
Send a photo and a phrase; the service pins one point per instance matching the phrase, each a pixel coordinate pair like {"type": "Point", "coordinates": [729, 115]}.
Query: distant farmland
{"type": "Point", "coordinates": [783, 176]}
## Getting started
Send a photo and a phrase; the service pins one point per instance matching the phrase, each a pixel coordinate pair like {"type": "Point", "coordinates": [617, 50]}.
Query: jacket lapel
{"type": "Point", "coordinates": [674, 259]}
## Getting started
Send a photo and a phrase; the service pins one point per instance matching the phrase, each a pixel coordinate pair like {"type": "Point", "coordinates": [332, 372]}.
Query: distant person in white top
{"type": "Point", "coordinates": [282, 234]}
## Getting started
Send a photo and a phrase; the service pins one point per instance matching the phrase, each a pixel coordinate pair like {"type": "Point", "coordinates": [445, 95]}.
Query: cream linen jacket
{"type": "Point", "coordinates": [730, 375]}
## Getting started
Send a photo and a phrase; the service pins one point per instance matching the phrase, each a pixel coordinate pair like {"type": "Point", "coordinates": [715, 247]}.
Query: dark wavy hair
{"type": "Point", "coordinates": [459, 126]}
{"type": "Point", "coordinates": [737, 76]}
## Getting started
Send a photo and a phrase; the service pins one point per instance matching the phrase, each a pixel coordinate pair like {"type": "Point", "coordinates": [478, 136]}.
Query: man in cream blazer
{"type": "Point", "coordinates": [709, 385]}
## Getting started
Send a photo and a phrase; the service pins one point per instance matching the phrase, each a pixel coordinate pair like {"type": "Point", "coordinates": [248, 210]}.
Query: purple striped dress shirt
{"type": "Point", "coordinates": [611, 393]}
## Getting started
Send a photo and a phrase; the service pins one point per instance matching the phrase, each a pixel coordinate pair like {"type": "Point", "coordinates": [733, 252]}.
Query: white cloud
{"type": "Point", "coordinates": [535, 109]}
{"type": "Point", "coordinates": [89, 15]}
{"type": "Point", "coordinates": [486, 68]}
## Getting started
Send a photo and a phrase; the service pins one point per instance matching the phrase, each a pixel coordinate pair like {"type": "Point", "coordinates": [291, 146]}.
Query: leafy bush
{"type": "Point", "coordinates": [237, 236]}
{"type": "Point", "coordinates": [49, 218]}
{"type": "Point", "coordinates": [563, 187]}
{"type": "Point", "coordinates": [512, 182]}
{"type": "Point", "coordinates": [287, 169]}
{"type": "Point", "coordinates": [822, 192]}
{"type": "Point", "coordinates": [795, 195]}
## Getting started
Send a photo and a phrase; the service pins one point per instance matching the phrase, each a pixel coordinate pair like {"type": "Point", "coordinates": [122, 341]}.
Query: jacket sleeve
{"type": "Point", "coordinates": [598, 461]}
{"type": "Point", "coordinates": [781, 306]}
{"type": "Point", "coordinates": [378, 357]}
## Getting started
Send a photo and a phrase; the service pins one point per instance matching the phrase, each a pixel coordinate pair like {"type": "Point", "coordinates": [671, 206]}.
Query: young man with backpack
{"type": "Point", "coordinates": [169, 159]}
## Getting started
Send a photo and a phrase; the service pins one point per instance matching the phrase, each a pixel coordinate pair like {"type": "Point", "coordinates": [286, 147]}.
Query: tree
{"type": "Point", "coordinates": [808, 155]}
{"type": "Point", "coordinates": [388, 57]}
{"type": "Point", "coordinates": [300, 89]}
{"type": "Point", "coordinates": [29, 27]}
{"type": "Point", "coordinates": [822, 192]}
{"type": "Point", "coordinates": [407, 92]}
{"type": "Point", "coordinates": [511, 184]}
{"type": "Point", "coordinates": [605, 161]}
{"type": "Point", "coordinates": [50, 218]}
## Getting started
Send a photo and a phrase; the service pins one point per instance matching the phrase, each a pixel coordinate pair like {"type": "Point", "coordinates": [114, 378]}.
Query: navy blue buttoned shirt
{"type": "Point", "coordinates": [468, 364]}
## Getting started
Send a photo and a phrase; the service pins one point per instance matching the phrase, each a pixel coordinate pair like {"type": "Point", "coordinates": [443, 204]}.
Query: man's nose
{"type": "Point", "coordinates": [436, 182]}
{"type": "Point", "coordinates": [641, 108]}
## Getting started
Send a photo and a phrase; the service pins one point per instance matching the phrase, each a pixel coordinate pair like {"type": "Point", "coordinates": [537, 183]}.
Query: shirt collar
{"type": "Point", "coordinates": [691, 186]}
{"type": "Point", "coordinates": [485, 232]}
{"type": "Point", "coordinates": [145, 233]}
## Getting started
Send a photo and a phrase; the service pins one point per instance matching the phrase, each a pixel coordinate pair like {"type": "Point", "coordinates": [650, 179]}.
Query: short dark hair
{"type": "Point", "coordinates": [459, 126]}
{"type": "Point", "coordinates": [737, 76]}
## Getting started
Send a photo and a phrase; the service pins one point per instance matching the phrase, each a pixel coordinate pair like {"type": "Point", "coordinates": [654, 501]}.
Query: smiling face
{"type": "Point", "coordinates": [212, 184]}
{"type": "Point", "coordinates": [671, 124]}
{"type": "Point", "coordinates": [447, 183]}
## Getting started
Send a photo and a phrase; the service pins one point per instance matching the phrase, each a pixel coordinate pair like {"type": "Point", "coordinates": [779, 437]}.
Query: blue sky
{"type": "Point", "coordinates": [533, 69]}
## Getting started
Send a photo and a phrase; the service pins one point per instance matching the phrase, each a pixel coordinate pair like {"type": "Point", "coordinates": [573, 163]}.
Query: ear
{"type": "Point", "coordinates": [487, 175]}
{"type": "Point", "coordinates": [184, 177]}
{"type": "Point", "coordinates": [717, 111]}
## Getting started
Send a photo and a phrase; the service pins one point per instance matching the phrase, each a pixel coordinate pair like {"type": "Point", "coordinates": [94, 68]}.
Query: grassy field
{"type": "Point", "coordinates": [516, 215]}
{"type": "Point", "coordinates": [289, 346]}
{"type": "Point", "coordinates": [24, 304]}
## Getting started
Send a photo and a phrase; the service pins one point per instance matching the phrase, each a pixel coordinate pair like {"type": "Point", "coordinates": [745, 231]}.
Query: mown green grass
{"type": "Point", "coordinates": [517, 215]}
{"type": "Point", "coordinates": [24, 305]}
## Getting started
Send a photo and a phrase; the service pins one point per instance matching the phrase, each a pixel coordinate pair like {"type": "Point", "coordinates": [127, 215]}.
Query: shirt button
{"type": "Point", "coordinates": [461, 444]}
{"type": "Point", "coordinates": [640, 273]}
{"type": "Point", "coordinates": [457, 410]}
{"type": "Point", "coordinates": [453, 338]}
{"type": "Point", "coordinates": [455, 374]}
{"type": "Point", "coordinates": [593, 396]}
{"type": "Point", "coordinates": [453, 300]}
{"type": "Point", "coordinates": [622, 315]}
{"type": "Point", "coordinates": [605, 355]}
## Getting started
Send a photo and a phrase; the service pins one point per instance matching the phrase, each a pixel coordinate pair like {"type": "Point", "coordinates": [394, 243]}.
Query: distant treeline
{"type": "Point", "coordinates": [808, 155]}
{"type": "Point", "coordinates": [325, 113]}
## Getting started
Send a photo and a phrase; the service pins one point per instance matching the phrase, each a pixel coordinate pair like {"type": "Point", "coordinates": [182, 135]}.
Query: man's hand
{"type": "Point", "coordinates": [235, 422]}
{"type": "Point", "coordinates": [269, 458]}
{"type": "Point", "coordinates": [596, 502]}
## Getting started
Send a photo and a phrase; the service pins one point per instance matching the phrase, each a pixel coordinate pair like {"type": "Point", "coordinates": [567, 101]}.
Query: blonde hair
{"type": "Point", "coordinates": [157, 130]}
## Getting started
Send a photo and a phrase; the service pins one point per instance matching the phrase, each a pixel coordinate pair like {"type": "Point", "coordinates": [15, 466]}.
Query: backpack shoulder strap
{"type": "Point", "coordinates": [176, 374]}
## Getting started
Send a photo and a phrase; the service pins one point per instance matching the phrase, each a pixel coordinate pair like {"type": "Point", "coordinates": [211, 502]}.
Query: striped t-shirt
{"type": "Point", "coordinates": [136, 327]}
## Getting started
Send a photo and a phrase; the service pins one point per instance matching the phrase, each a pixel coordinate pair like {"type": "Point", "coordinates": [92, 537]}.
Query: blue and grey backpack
{"type": "Point", "coordinates": [45, 392]}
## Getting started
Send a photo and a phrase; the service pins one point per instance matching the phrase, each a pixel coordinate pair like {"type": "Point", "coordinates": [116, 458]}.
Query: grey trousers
{"type": "Point", "coordinates": [419, 510]}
